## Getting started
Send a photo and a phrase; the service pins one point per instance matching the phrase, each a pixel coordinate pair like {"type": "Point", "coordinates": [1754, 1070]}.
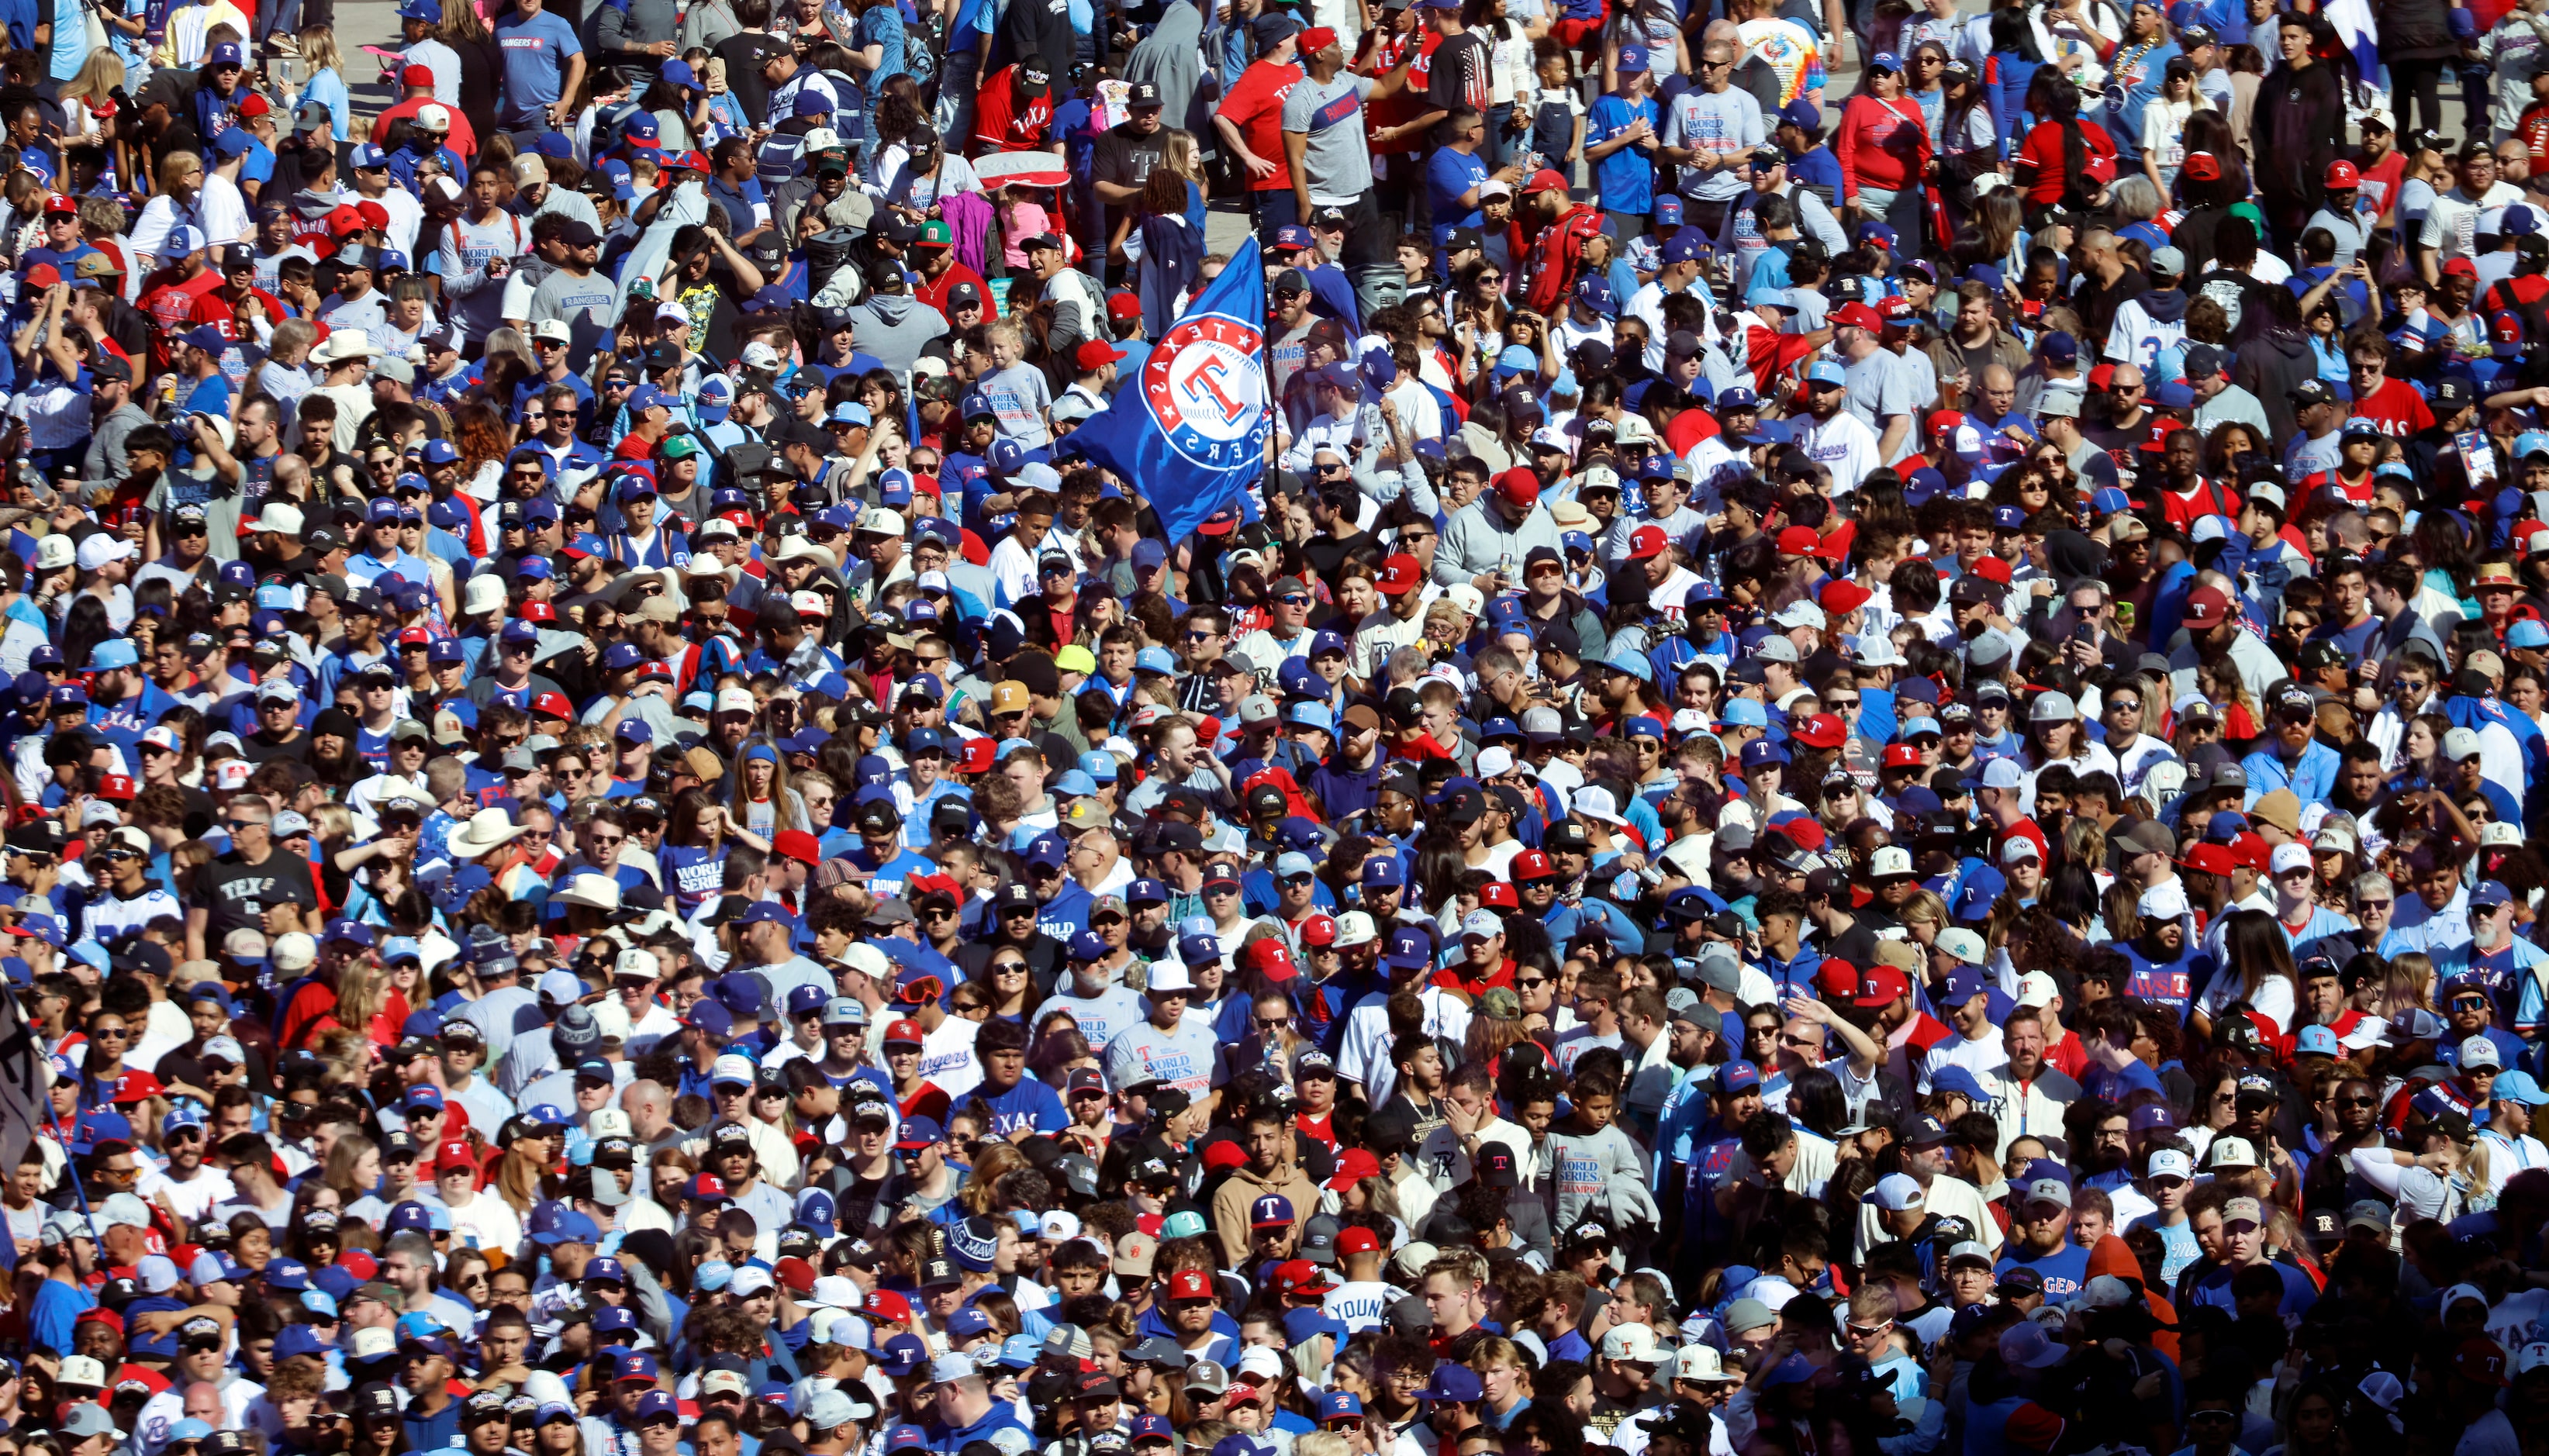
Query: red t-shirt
{"type": "Point", "coordinates": [1002, 122]}
{"type": "Point", "coordinates": [934, 292]}
{"type": "Point", "coordinates": [1256, 106]}
{"type": "Point", "coordinates": [2398, 409]}
{"type": "Point", "coordinates": [2039, 158]}
{"type": "Point", "coordinates": [171, 305]}
{"type": "Point", "coordinates": [2208, 499]}
{"type": "Point", "coordinates": [214, 307]}
{"type": "Point", "coordinates": [463, 139]}
{"type": "Point", "coordinates": [2380, 179]}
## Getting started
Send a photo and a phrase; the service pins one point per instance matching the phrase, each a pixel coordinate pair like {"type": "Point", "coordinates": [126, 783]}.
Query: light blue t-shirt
{"type": "Point", "coordinates": [536, 52]}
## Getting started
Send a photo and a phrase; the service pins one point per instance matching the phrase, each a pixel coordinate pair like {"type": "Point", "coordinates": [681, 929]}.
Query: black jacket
{"type": "Point", "coordinates": [2298, 129]}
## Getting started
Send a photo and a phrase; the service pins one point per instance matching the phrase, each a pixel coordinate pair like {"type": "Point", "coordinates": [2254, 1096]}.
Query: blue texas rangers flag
{"type": "Point", "coordinates": [1188, 433]}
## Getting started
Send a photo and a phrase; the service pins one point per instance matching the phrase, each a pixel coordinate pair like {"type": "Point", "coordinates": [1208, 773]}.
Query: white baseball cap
{"type": "Point", "coordinates": [2289, 858]}
{"type": "Point", "coordinates": [2168, 1162]}
{"type": "Point", "coordinates": [1634, 1343]}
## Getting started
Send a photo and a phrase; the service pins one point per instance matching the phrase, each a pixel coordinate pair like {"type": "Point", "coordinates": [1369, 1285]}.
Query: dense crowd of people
{"type": "Point", "coordinates": [1854, 778]}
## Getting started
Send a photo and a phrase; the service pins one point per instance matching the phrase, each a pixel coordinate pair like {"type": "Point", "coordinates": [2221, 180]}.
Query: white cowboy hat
{"type": "Point", "coordinates": [592, 891]}
{"type": "Point", "coordinates": [488, 829]}
{"type": "Point", "coordinates": [800, 548]}
{"type": "Point", "coordinates": [345, 343]}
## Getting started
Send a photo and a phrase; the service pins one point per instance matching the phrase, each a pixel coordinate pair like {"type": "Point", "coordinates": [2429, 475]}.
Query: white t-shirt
{"type": "Point", "coordinates": [2451, 228]}
{"type": "Point", "coordinates": [488, 1222]}
{"type": "Point", "coordinates": [193, 1197]}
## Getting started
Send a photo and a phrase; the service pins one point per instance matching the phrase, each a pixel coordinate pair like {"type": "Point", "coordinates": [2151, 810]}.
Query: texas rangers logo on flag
{"type": "Point", "coordinates": [1193, 439]}
{"type": "Point", "coordinates": [1207, 387]}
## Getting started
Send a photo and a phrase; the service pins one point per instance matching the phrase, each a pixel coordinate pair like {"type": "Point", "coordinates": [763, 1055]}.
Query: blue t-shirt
{"type": "Point", "coordinates": [1030, 1105]}
{"type": "Point", "coordinates": [536, 52]}
{"type": "Point", "coordinates": [2063, 1271]}
{"type": "Point", "coordinates": [1627, 178]}
{"type": "Point", "coordinates": [1449, 174]}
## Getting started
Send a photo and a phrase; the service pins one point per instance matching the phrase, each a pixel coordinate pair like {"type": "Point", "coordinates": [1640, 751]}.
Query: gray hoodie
{"type": "Point", "coordinates": [895, 327]}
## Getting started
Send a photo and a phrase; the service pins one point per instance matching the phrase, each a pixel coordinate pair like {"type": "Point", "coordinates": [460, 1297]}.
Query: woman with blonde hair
{"type": "Point", "coordinates": [326, 83]}
{"type": "Point", "coordinates": [1924, 916]}
{"type": "Point", "coordinates": [99, 77]}
{"type": "Point", "coordinates": [362, 1007]}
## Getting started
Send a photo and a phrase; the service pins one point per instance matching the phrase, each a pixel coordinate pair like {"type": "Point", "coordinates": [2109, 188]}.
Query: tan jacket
{"type": "Point", "coordinates": [1232, 1200]}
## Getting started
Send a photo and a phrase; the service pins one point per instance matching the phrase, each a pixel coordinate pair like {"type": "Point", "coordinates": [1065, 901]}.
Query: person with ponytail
{"type": "Point", "coordinates": [2053, 162]}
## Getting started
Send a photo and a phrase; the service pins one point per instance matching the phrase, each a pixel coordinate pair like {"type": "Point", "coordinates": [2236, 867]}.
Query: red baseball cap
{"type": "Point", "coordinates": [2206, 606]}
{"type": "Point", "coordinates": [137, 1086]}
{"type": "Point", "coordinates": [1519, 486]}
{"type": "Point", "coordinates": [1353, 1166]}
{"type": "Point", "coordinates": [1545, 180]}
{"type": "Point", "coordinates": [552, 705]}
{"type": "Point", "coordinates": [1818, 730]}
{"type": "Point", "coordinates": [1992, 569]}
{"type": "Point", "coordinates": [1273, 959]}
{"type": "Point", "coordinates": [1645, 542]}
{"type": "Point", "coordinates": [907, 1032]}
{"type": "Point", "coordinates": [1358, 1241]}
{"type": "Point", "coordinates": [454, 1150]}
{"type": "Point", "coordinates": [415, 75]}
{"type": "Point", "coordinates": [1498, 896]}
{"type": "Point", "coordinates": [1804, 833]}
{"type": "Point", "coordinates": [1224, 1155]}
{"type": "Point", "coordinates": [1300, 1276]}
{"type": "Point", "coordinates": [1840, 597]}
{"type": "Point", "coordinates": [1799, 541]}
{"type": "Point", "coordinates": [1315, 40]}
{"type": "Point", "coordinates": [1319, 929]}
{"type": "Point", "coordinates": [1901, 755]}
{"type": "Point", "coordinates": [886, 1304]}
{"type": "Point", "coordinates": [1531, 865]}
{"type": "Point", "coordinates": [1856, 315]}
{"type": "Point", "coordinates": [1399, 575]}
{"type": "Point", "coordinates": [798, 844]}
{"type": "Point", "coordinates": [1837, 977]}
{"type": "Point", "coordinates": [1096, 354]}
{"type": "Point", "coordinates": [1195, 1284]}
{"type": "Point", "coordinates": [1880, 985]}
{"type": "Point", "coordinates": [2210, 858]}
{"type": "Point", "coordinates": [2099, 169]}
{"type": "Point", "coordinates": [115, 786]}
{"type": "Point", "coordinates": [2342, 175]}
{"type": "Point", "coordinates": [2203, 166]}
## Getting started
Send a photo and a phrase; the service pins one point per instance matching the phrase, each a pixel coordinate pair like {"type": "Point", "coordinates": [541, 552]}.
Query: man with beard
{"type": "Point", "coordinates": [2167, 968]}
